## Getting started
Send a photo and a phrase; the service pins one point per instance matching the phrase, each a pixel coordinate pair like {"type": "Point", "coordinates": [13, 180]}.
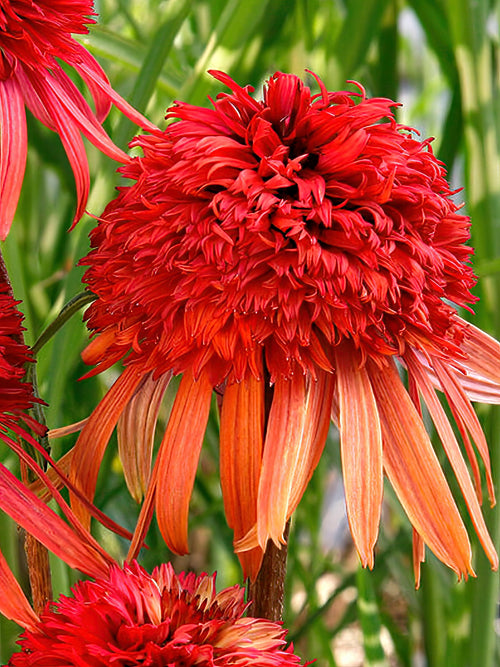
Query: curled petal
{"type": "Point", "coordinates": [136, 427]}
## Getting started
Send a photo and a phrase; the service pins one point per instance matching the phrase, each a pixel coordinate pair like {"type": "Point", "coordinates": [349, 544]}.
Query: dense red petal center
{"type": "Point", "coordinates": [281, 226]}
{"type": "Point", "coordinates": [33, 32]}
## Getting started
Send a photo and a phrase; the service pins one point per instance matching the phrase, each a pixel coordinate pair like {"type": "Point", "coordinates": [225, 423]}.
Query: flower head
{"type": "Point", "coordinates": [288, 252]}
{"type": "Point", "coordinates": [133, 618]}
{"type": "Point", "coordinates": [16, 395]}
{"type": "Point", "coordinates": [34, 36]}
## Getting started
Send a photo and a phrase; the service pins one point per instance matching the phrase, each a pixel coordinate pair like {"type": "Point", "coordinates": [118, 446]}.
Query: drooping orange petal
{"type": "Point", "coordinates": [463, 411]}
{"type": "Point", "coordinates": [414, 471]}
{"type": "Point", "coordinates": [241, 445]}
{"type": "Point", "coordinates": [295, 438]}
{"type": "Point", "coordinates": [483, 352]}
{"type": "Point", "coordinates": [453, 453]}
{"type": "Point", "coordinates": [13, 150]}
{"type": "Point", "coordinates": [136, 428]}
{"type": "Point", "coordinates": [317, 423]}
{"type": "Point", "coordinates": [178, 459]}
{"type": "Point", "coordinates": [13, 602]}
{"type": "Point", "coordinates": [47, 527]}
{"type": "Point", "coordinates": [361, 451]}
{"type": "Point", "coordinates": [92, 442]}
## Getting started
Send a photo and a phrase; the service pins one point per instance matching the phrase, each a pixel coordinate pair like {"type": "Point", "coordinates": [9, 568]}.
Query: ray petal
{"type": "Point", "coordinates": [92, 441]}
{"type": "Point", "coordinates": [464, 412]}
{"type": "Point", "coordinates": [295, 437]}
{"type": "Point", "coordinates": [13, 150]}
{"type": "Point", "coordinates": [483, 353]}
{"type": "Point", "coordinates": [361, 451]}
{"type": "Point", "coordinates": [453, 453]}
{"type": "Point", "coordinates": [47, 527]}
{"type": "Point", "coordinates": [241, 446]}
{"type": "Point", "coordinates": [136, 428]}
{"type": "Point", "coordinates": [414, 471]}
{"type": "Point", "coordinates": [13, 602]}
{"type": "Point", "coordinates": [178, 458]}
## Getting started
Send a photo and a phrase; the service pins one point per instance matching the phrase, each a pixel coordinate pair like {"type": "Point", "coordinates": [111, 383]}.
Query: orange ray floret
{"type": "Point", "coordinates": [290, 254]}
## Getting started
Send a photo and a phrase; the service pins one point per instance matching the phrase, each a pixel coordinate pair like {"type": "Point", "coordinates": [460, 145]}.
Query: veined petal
{"type": "Point", "coordinates": [92, 441]}
{"type": "Point", "coordinates": [101, 99]}
{"type": "Point", "coordinates": [453, 453]}
{"type": "Point", "coordinates": [136, 428]}
{"type": "Point", "coordinates": [13, 602]}
{"type": "Point", "coordinates": [295, 437]}
{"type": "Point", "coordinates": [361, 451]}
{"type": "Point", "coordinates": [13, 149]}
{"type": "Point", "coordinates": [241, 446]}
{"type": "Point", "coordinates": [317, 423]}
{"type": "Point", "coordinates": [414, 471]}
{"type": "Point", "coordinates": [47, 527]}
{"type": "Point", "coordinates": [483, 353]}
{"type": "Point", "coordinates": [464, 413]}
{"type": "Point", "coordinates": [89, 73]}
{"type": "Point", "coordinates": [178, 458]}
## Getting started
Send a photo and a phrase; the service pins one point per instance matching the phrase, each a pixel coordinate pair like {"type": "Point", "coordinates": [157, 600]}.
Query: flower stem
{"type": "Point", "coordinates": [267, 592]}
{"type": "Point", "coordinates": [37, 558]}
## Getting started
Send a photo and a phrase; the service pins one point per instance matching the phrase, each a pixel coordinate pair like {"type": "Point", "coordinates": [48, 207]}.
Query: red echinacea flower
{"type": "Point", "coordinates": [34, 36]}
{"type": "Point", "coordinates": [132, 618]}
{"type": "Point", "coordinates": [16, 395]}
{"type": "Point", "coordinates": [298, 255]}
{"type": "Point", "coordinates": [125, 616]}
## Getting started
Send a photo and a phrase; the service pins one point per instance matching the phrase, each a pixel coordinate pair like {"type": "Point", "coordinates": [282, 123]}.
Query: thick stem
{"type": "Point", "coordinates": [37, 558]}
{"type": "Point", "coordinates": [267, 592]}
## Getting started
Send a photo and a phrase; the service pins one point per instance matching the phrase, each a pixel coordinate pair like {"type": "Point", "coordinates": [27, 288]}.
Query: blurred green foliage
{"type": "Point", "coordinates": [440, 58]}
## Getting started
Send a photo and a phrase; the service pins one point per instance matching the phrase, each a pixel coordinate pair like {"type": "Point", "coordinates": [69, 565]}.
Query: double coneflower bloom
{"type": "Point", "coordinates": [300, 256]}
{"type": "Point", "coordinates": [35, 37]}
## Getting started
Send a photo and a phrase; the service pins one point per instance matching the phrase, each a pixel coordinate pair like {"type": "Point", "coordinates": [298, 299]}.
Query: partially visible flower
{"type": "Point", "coordinates": [288, 252]}
{"type": "Point", "coordinates": [16, 395]}
{"type": "Point", "coordinates": [34, 36]}
{"type": "Point", "coordinates": [133, 618]}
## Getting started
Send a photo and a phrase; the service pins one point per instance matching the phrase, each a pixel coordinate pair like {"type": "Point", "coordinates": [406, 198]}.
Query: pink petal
{"type": "Point", "coordinates": [47, 527]}
{"type": "Point", "coordinates": [361, 450]}
{"type": "Point", "coordinates": [101, 99]}
{"type": "Point", "coordinates": [13, 149]}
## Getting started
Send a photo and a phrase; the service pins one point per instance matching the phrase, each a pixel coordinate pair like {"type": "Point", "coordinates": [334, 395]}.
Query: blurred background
{"type": "Point", "coordinates": [440, 59]}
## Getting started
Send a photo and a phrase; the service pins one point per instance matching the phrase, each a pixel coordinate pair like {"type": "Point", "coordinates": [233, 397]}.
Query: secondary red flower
{"type": "Point", "coordinates": [133, 618]}
{"type": "Point", "coordinates": [16, 395]}
{"type": "Point", "coordinates": [34, 36]}
{"type": "Point", "coordinates": [288, 252]}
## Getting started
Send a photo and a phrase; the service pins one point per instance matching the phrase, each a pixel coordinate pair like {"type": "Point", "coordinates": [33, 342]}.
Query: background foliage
{"type": "Point", "coordinates": [440, 58]}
